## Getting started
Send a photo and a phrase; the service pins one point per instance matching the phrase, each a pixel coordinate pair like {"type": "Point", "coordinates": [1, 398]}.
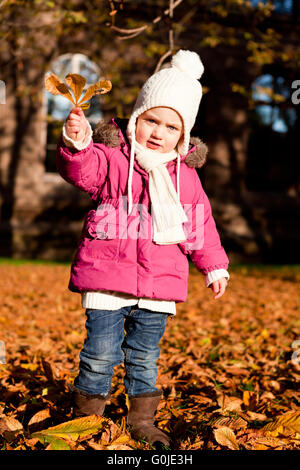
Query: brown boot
{"type": "Point", "coordinates": [85, 404]}
{"type": "Point", "coordinates": [141, 418]}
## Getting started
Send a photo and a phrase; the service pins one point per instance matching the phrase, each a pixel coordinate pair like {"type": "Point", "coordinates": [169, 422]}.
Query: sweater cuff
{"type": "Point", "coordinates": [215, 276]}
{"type": "Point", "coordinates": [78, 144]}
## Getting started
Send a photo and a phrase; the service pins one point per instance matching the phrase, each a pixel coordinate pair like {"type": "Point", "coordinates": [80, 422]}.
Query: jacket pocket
{"type": "Point", "coordinates": [102, 240]}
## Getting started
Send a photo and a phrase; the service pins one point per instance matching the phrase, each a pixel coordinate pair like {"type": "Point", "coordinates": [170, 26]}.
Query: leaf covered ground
{"type": "Point", "coordinates": [229, 368]}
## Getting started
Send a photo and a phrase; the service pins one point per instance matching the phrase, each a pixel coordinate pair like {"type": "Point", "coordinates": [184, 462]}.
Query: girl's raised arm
{"type": "Point", "coordinates": [78, 160]}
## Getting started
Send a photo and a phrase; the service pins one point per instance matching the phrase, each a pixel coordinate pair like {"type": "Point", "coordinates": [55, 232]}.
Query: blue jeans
{"type": "Point", "coordinates": [111, 340]}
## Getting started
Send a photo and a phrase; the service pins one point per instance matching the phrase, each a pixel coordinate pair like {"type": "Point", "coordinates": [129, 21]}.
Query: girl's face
{"type": "Point", "coordinates": [159, 129]}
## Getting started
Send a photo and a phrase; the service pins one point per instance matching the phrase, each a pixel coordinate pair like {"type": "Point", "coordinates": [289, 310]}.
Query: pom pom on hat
{"type": "Point", "coordinates": [188, 62]}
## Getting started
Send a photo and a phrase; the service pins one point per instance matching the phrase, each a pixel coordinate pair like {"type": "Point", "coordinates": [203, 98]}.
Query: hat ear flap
{"type": "Point", "coordinates": [184, 143]}
{"type": "Point", "coordinates": [180, 144]}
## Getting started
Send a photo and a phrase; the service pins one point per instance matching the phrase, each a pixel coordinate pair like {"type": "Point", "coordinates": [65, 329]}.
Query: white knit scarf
{"type": "Point", "coordinates": [167, 212]}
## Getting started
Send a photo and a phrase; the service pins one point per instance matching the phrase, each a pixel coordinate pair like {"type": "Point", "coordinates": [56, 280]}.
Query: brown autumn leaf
{"type": "Point", "coordinates": [11, 424]}
{"type": "Point", "coordinates": [109, 434]}
{"type": "Point", "coordinates": [230, 403]}
{"type": "Point", "coordinates": [118, 447]}
{"type": "Point", "coordinates": [57, 87]}
{"type": "Point", "coordinates": [77, 83]}
{"type": "Point", "coordinates": [250, 399]}
{"type": "Point", "coordinates": [226, 437]}
{"type": "Point", "coordinates": [256, 416]}
{"type": "Point", "coordinates": [51, 372]}
{"type": "Point", "coordinates": [258, 442]}
{"type": "Point", "coordinates": [229, 422]}
{"type": "Point", "coordinates": [10, 428]}
{"type": "Point", "coordinates": [95, 445]}
{"type": "Point", "coordinates": [285, 424]}
{"type": "Point", "coordinates": [39, 420]}
{"type": "Point", "coordinates": [99, 88]}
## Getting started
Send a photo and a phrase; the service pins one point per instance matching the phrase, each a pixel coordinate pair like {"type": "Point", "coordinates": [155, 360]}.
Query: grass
{"type": "Point", "coordinates": [232, 266]}
{"type": "Point", "coordinates": [261, 266]}
{"type": "Point", "coordinates": [21, 261]}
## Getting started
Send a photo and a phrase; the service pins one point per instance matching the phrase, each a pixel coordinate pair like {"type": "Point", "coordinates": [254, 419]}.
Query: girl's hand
{"type": "Point", "coordinates": [218, 287]}
{"type": "Point", "coordinates": [76, 124]}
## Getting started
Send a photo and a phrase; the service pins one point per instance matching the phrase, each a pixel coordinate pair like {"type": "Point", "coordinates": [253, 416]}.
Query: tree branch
{"type": "Point", "coordinates": [171, 39]}
{"type": "Point", "coordinates": [161, 60]}
{"type": "Point", "coordinates": [130, 32]}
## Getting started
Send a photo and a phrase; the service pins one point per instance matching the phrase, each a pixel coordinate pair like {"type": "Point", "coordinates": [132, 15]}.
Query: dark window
{"type": "Point", "coordinates": [272, 154]}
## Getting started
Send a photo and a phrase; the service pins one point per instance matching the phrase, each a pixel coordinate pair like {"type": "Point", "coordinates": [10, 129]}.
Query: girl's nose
{"type": "Point", "coordinates": [157, 132]}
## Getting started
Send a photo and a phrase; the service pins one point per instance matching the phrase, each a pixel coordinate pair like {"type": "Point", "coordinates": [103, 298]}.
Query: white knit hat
{"type": "Point", "coordinates": [175, 87]}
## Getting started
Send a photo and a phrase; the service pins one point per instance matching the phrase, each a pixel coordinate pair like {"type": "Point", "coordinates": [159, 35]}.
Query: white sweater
{"type": "Point", "coordinates": [109, 300]}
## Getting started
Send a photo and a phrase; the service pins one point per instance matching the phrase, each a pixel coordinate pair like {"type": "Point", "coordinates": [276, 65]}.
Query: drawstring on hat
{"type": "Point", "coordinates": [130, 174]}
{"type": "Point", "coordinates": [177, 181]}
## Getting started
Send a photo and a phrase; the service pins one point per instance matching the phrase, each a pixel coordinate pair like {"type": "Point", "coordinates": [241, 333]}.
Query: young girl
{"type": "Point", "coordinates": [151, 214]}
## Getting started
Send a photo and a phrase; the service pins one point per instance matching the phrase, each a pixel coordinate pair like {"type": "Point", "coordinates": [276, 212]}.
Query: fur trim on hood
{"type": "Point", "coordinates": [108, 134]}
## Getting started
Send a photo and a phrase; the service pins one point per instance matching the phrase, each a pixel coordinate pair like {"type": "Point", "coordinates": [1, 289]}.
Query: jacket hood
{"type": "Point", "coordinates": [113, 134]}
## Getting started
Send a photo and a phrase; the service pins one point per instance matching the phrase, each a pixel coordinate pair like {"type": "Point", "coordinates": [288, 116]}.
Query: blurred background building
{"type": "Point", "coordinates": [248, 118]}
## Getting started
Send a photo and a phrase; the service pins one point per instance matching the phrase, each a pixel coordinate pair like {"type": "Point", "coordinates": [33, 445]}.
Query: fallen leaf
{"type": "Point", "coordinates": [230, 403]}
{"type": "Point", "coordinates": [229, 422]}
{"type": "Point", "coordinates": [71, 430]}
{"type": "Point", "coordinates": [38, 420]}
{"type": "Point", "coordinates": [118, 447]}
{"type": "Point", "coordinates": [11, 423]}
{"type": "Point", "coordinates": [226, 437]}
{"type": "Point", "coordinates": [288, 422]}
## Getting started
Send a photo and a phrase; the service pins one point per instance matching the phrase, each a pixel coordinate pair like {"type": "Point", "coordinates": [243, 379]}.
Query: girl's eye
{"type": "Point", "coordinates": [173, 128]}
{"type": "Point", "coordinates": [151, 120]}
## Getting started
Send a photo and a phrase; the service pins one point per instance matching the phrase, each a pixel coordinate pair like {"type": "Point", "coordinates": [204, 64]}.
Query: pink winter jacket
{"type": "Point", "coordinates": [116, 251]}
